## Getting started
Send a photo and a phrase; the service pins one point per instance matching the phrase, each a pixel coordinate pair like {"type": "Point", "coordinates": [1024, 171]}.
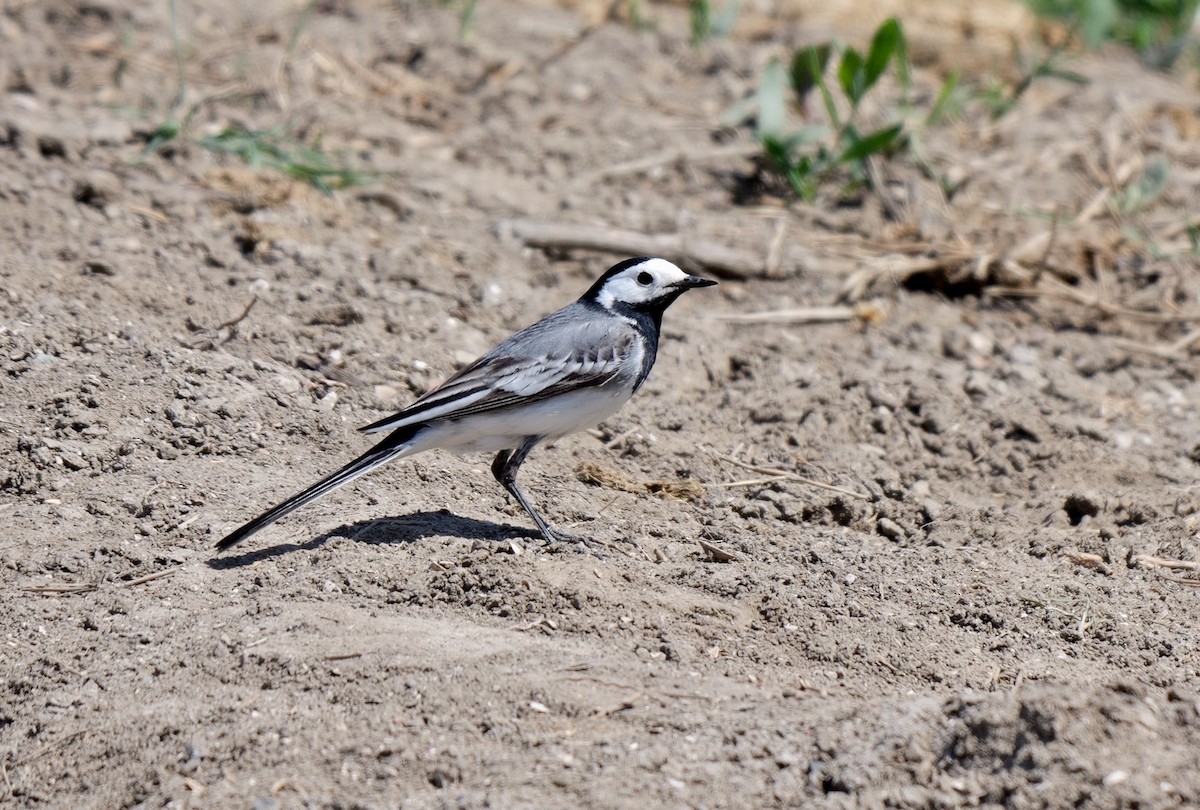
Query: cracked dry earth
{"type": "Point", "coordinates": [962, 611]}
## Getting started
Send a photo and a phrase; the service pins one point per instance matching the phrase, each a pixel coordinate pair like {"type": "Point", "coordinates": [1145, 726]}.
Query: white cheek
{"type": "Point", "coordinates": [623, 289]}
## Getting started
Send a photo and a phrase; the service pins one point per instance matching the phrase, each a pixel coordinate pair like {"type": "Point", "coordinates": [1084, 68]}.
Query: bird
{"type": "Point", "coordinates": [564, 374]}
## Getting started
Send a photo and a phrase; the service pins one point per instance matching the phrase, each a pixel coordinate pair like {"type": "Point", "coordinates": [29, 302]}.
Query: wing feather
{"type": "Point", "coordinates": [501, 379]}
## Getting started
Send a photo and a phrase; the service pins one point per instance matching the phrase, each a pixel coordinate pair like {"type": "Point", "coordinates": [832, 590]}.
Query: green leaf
{"type": "Point", "coordinates": [877, 141]}
{"type": "Point", "coordinates": [944, 101]}
{"type": "Point", "coordinates": [1063, 74]}
{"type": "Point", "coordinates": [772, 109]}
{"type": "Point", "coordinates": [883, 46]}
{"type": "Point", "coordinates": [777, 153]}
{"type": "Point", "coordinates": [852, 76]}
{"type": "Point", "coordinates": [804, 180]}
{"type": "Point", "coordinates": [808, 68]}
{"type": "Point", "coordinates": [700, 17]}
{"type": "Point", "coordinates": [1096, 20]}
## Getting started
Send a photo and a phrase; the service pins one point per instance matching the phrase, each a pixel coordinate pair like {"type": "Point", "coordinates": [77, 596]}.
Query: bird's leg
{"type": "Point", "coordinates": [504, 468]}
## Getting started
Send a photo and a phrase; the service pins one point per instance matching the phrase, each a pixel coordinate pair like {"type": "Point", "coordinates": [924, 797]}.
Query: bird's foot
{"type": "Point", "coordinates": [559, 540]}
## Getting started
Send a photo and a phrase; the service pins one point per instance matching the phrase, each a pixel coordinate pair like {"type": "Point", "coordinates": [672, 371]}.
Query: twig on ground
{"type": "Point", "coordinates": [57, 588]}
{"type": "Point", "coordinates": [1171, 351]}
{"type": "Point", "coordinates": [222, 333]}
{"type": "Point", "coordinates": [1149, 561]}
{"type": "Point", "coordinates": [142, 580]}
{"type": "Point", "coordinates": [801, 315]}
{"type": "Point", "coordinates": [540, 623]}
{"type": "Point", "coordinates": [754, 482]}
{"type": "Point", "coordinates": [716, 553]}
{"type": "Point", "coordinates": [612, 444]}
{"type": "Point", "coordinates": [775, 249]}
{"type": "Point", "coordinates": [149, 213]}
{"type": "Point", "coordinates": [1087, 560]}
{"type": "Point", "coordinates": [722, 260]}
{"type": "Point", "coordinates": [1052, 288]}
{"type": "Point", "coordinates": [342, 656]}
{"type": "Point", "coordinates": [72, 588]}
{"type": "Point", "coordinates": [783, 475]}
{"type": "Point", "coordinates": [1192, 581]}
{"type": "Point", "coordinates": [235, 321]}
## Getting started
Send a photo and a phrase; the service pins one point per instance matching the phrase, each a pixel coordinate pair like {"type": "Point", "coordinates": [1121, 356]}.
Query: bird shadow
{"type": "Point", "coordinates": [387, 531]}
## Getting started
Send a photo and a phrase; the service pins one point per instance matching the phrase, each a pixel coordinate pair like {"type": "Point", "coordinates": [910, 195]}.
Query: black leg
{"type": "Point", "coordinates": [504, 468]}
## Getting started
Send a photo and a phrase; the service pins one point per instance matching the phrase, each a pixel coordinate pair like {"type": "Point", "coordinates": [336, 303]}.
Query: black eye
{"type": "Point", "coordinates": [645, 278]}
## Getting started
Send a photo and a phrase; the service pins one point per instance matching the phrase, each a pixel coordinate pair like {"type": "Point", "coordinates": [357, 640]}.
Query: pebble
{"type": "Point", "coordinates": [977, 384]}
{"type": "Point", "coordinates": [326, 403]}
{"type": "Point", "coordinates": [287, 383]}
{"type": "Point", "coordinates": [932, 509]}
{"type": "Point", "coordinates": [890, 529]}
{"type": "Point", "coordinates": [386, 393]}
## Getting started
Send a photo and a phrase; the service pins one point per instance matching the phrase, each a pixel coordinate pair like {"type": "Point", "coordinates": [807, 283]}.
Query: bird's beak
{"type": "Point", "coordinates": [694, 281]}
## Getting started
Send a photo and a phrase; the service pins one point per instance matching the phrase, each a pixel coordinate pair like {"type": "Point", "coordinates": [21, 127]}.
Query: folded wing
{"type": "Point", "coordinates": [502, 380]}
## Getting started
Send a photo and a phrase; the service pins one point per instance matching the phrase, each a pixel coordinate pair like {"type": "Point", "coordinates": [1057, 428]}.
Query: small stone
{"type": "Point", "coordinates": [931, 509]}
{"type": "Point", "coordinates": [981, 343]}
{"type": "Point", "coordinates": [890, 529]}
{"type": "Point", "coordinates": [881, 397]}
{"type": "Point", "coordinates": [51, 146]}
{"type": "Point", "coordinates": [977, 384]}
{"type": "Point", "coordinates": [386, 394]}
{"type": "Point", "coordinates": [326, 403]}
{"type": "Point", "coordinates": [98, 268]}
{"type": "Point", "coordinates": [1020, 355]}
{"type": "Point", "coordinates": [287, 384]}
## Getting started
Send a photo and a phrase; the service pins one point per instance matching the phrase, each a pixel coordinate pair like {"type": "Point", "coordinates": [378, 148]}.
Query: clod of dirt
{"type": "Point", "coordinates": [98, 188]}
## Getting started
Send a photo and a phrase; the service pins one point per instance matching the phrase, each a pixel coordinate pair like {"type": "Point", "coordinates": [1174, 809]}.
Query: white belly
{"type": "Point", "coordinates": [551, 419]}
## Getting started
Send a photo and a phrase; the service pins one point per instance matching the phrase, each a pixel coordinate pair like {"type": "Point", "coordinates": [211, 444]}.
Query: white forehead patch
{"type": "Point", "coordinates": [643, 282]}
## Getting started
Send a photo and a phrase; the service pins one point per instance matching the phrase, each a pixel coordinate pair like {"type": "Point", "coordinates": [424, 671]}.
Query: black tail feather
{"type": "Point", "coordinates": [380, 454]}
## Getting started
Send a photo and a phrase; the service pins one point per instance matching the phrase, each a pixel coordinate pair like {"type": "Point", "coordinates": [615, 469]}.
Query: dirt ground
{"type": "Point", "coordinates": [951, 545]}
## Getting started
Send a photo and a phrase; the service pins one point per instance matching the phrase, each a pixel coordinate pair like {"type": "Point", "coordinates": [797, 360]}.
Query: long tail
{"type": "Point", "coordinates": [394, 446]}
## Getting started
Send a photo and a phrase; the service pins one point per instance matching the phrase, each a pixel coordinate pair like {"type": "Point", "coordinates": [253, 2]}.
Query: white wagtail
{"type": "Point", "coordinates": [566, 373]}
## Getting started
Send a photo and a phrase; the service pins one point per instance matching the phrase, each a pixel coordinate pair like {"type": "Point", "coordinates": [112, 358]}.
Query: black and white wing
{"type": "Point", "coordinates": [552, 357]}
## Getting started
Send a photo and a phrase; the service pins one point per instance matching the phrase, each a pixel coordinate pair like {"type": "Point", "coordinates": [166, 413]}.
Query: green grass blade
{"type": "Point", "coordinates": [772, 107]}
{"type": "Point", "coordinates": [852, 76]}
{"type": "Point", "coordinates": [945, 100]}
{"type": "Point", "coordinates": [808, 68]}
{"type": "Point", "coordinates": [700, 19]}
{"type": "Point", "coordinates": [878, 141]}
{"type": "Point", "coordinates": [884, 46]}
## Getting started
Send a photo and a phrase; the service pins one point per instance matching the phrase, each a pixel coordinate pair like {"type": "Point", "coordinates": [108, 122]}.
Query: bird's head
{"type": "Point", "coordinates": [645, 283]}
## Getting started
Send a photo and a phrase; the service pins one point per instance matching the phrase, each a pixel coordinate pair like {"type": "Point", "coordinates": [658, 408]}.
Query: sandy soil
{"type": "Point", "coordinates": [962, 610]}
